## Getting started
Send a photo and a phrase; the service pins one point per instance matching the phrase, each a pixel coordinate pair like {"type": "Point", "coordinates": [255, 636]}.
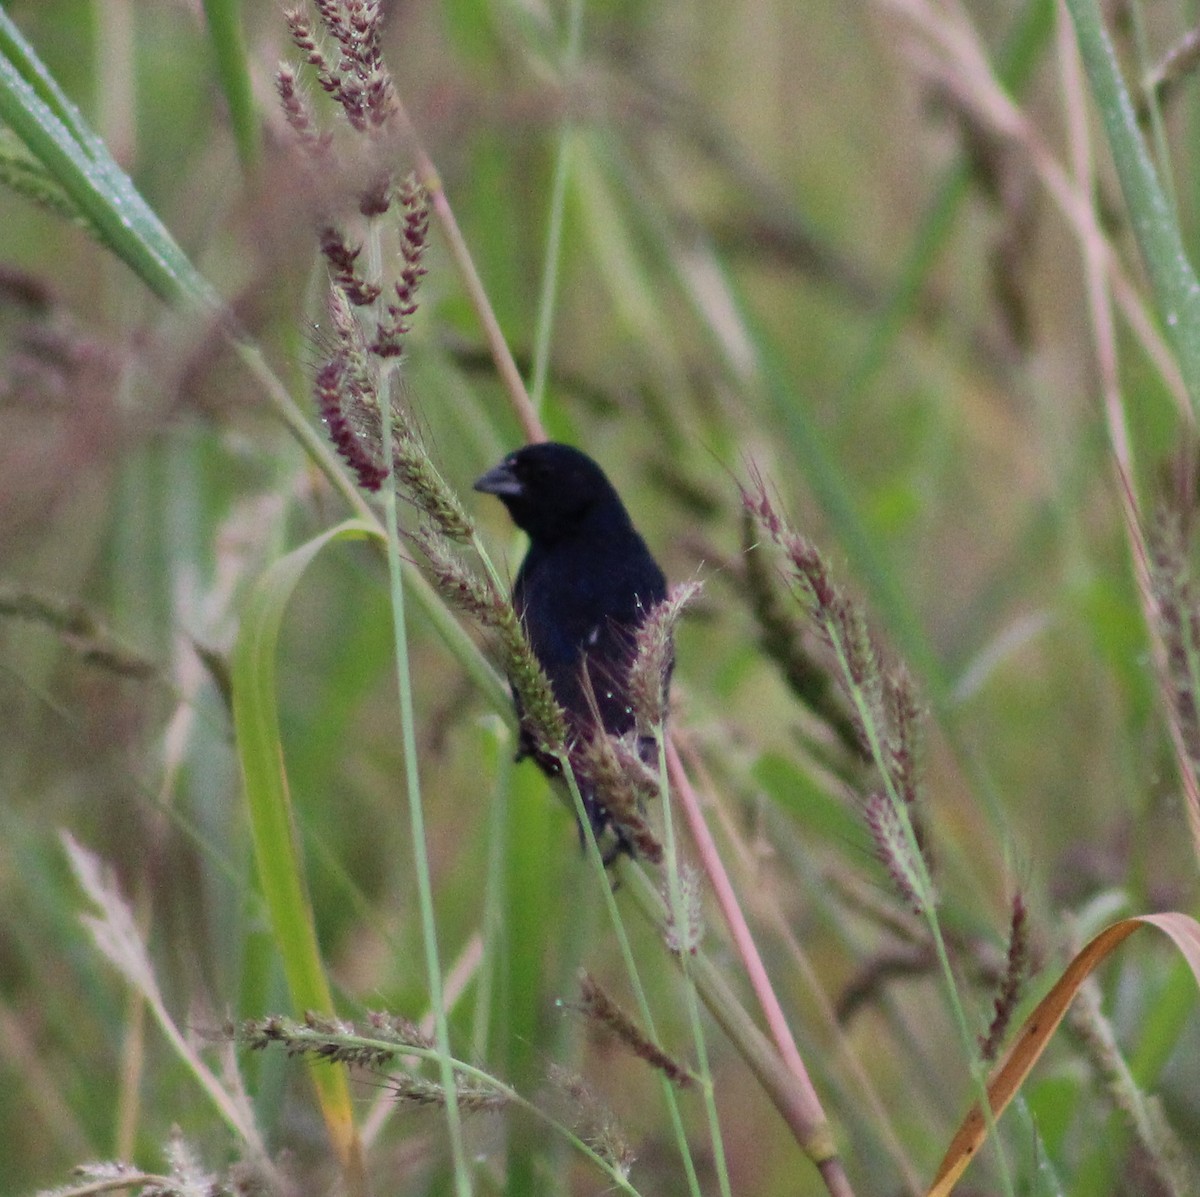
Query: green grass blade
{"type": "Point", "coordinates": [31, 68]}
{"type": "Point", "coordinates": [416, 809]}
{"type": "Point", "coordinates": [1019, 56]}
{"type": "Point", "coordinates": [548, 295]}
{"type": "Point", "coordinates": [1176, 289]}
{"type": "Point", "coordinates": [260, 755]}
{"type": "Point", "coordinates": [233, 69]}
{"type": "Point", "coordinates": [834, 492]}
{"type": "Point", "coordinates": [55, 133]}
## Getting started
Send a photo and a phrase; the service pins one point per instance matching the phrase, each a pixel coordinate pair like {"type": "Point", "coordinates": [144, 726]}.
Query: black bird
{"type": "Point", "coordinates": [585, 585]}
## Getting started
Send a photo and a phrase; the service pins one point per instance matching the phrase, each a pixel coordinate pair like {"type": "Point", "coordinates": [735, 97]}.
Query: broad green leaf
{"type": "Point", "coordinates": [276, 848]}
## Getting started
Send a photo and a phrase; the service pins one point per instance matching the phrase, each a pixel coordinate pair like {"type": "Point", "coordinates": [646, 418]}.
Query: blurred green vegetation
{"type": "Point", "coordinates": [748, 185]}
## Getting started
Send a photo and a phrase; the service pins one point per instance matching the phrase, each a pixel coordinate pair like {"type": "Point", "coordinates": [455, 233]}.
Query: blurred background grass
{"type": "Point", "coordinates": [748, 183]}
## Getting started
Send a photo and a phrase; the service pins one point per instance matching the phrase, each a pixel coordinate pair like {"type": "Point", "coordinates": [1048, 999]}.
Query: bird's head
{"type": "Point", "coordinates": [553, 491]}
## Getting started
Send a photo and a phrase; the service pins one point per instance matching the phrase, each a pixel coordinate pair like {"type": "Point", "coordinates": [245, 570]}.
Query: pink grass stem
{"type": "Point", "coordinates": [714, 868]}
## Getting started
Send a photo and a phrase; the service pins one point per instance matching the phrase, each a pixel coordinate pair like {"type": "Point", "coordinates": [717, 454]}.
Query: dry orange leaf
{"type": "Point", "coordinates": [1043, 1022]}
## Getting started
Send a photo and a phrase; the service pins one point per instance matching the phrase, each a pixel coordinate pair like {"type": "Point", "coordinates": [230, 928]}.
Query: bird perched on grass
{"type": "Point", "coordinates": [587, 583]}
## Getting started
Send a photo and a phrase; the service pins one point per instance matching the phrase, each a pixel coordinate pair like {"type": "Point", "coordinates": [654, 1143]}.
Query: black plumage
{"type": "Point", "coordinates": [587, 582]}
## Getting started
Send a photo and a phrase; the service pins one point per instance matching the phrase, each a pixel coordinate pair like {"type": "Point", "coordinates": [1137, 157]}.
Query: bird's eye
{"type": "Point", "coordinates": [532, 471]}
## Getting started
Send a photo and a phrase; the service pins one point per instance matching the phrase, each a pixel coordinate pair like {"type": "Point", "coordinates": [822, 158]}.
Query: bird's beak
{"type": "Point", "coordinates": [500, 481]}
